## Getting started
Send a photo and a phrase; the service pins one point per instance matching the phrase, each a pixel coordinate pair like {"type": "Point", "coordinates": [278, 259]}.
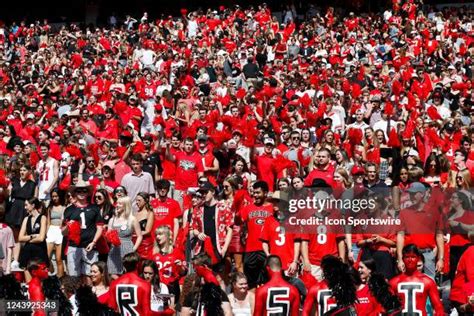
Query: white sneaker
{"type": "Point", "coordinates": [15, 266]}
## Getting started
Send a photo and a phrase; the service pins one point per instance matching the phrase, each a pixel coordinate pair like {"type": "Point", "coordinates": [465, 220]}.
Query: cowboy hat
{"type": "Point", "coordinates": [81, 184]}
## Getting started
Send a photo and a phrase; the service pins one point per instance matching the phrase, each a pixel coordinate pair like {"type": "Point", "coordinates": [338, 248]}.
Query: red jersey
{"type": "Point", "coordinates": [255, 216]}
{"type": "Point", "coordinates": [324, 241]}
{"type": "Point", "coordinates": [413, 291]}
{"type": "Point", "coordinates": [319, 300]}
{"type": "Point", "coordinates": [165, 212]}
{"type": "Point", "coordinates": [277, 297]}
{"type": "Point", "coordinates": [281, 243]}
{"type": "Point", "coordinates": [464, 275]}
{"type": "Point", "coordinates": [148, 91]}
{"type": "Point", "coordinates": [130, 295]}
{"type": "Point", "coordinates": [168, 265]}
{"type": "Point", "coordinates": [187, 168]}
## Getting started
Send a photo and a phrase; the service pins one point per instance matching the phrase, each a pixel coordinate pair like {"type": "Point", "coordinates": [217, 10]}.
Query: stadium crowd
{"type": "Point", "coordinates": [147, 167]}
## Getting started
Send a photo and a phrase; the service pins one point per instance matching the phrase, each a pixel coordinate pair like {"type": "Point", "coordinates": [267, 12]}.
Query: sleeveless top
{"type": "Point", "coordinates": [46, 177]}
{"type": "Point", "coordinates": [142, 224]}
{"type": "Point", "coordinates": [124, 231]}
{"type": "Point", "coordinates": [245, 310]}
{"type": "Point", "coordinates": [242, 311]}
{"type": "Point", "coordinates": [35, 228]}
{"type": "Point", "coordinates": [56, 217]}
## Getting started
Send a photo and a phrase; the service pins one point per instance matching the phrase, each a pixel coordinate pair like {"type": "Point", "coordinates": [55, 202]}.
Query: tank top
{"type": "Point", "coordinates": [46, 177]}
{"type": "Point", "coordinates": [56, 217]}
{"type": "Point", "coordinates": [124, 230]}
{"type": "Point", "coordinates": [242, 311]}
{"type": "Point", "coordinates": [33, 228]}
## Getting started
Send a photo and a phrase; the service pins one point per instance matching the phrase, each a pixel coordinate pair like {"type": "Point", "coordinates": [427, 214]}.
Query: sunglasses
{"type": "Point", "coordinates": [120, 191]}
{"type": "Point", "coordinates": [82, 191]}
{"type": "Point", "coordinates": [295, 138]}
{"type": "Point", "coordinates": [99, 197]}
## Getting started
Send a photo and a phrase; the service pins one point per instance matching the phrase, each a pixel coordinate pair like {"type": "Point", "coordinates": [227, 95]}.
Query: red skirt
{"type": "Point", "coordinates": [236, 245]}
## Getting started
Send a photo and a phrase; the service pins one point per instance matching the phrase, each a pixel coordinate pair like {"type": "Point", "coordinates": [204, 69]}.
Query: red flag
{"type": "Point", "coordinates": [388, 108]}
{"type": "Point", "coordinates": [433, 113]}
{"type": "Point", "coordinates": [393, 139]}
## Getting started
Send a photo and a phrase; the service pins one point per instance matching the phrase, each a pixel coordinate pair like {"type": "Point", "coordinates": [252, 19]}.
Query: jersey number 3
{"type": "Point", "coordinates": [278, 301]}
{"type": "Point", "coordinates": [127, 299]}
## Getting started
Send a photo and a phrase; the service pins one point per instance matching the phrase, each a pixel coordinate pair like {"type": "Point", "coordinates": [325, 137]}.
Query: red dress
{"type": "Point", "coordinates": [145, 250]}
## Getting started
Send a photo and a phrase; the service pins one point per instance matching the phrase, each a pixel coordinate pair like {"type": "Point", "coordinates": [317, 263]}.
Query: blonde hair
{"type": "Point", "coordinates": [345, 176]}
{"type": "Point", "coordinates": [466, 176]}
{"type": "Point", "coordinates": [164, 229]}
{"type": "Point", "coordinates": [127, 209]}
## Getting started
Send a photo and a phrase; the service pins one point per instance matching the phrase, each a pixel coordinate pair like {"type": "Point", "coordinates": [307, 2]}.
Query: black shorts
{"type": "Point", "coordinates": [254, 268]}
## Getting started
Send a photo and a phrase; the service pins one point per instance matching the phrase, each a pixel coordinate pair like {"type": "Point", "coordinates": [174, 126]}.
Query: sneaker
{"type": "Point", "coordinates": [15, 266]}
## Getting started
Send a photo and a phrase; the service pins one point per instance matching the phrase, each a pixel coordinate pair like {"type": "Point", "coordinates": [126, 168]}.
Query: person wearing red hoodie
{"type": "Point", "coordinates": [277, 296]}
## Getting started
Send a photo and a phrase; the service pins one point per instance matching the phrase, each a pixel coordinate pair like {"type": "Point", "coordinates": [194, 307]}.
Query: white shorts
{"type": "Point", "coordinates": [54, 235]}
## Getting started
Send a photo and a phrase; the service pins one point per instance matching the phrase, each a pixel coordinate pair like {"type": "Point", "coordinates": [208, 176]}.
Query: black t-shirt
{"type": "Point", "coordinates": [210, 222]}
{"type": "Point", "coordinates": [89, 217]}
{"type": "Point", "coordinates": [250, 70]}
{"type": "Point", "coordinates": [151, 163]}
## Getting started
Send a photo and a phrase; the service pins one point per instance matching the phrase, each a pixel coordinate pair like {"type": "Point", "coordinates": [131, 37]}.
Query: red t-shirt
{"type": "Point", "coordinates": [281, 243]}
{"type": "Point", "coordinates": [413, 291]}
{"type": "Point", "coordinates": [464, 275]}
{"type": "Point", "coordinates": [255, 217]}
{"type": "Point", "coordinates": [326, 174]}
{"type": "Point", "coordinates": [265, 170]}
{"type": "Point", "coordinates": [187, 168]}
{"type": "Point", "coordinates": [165, 212]}
{"type": "Point", "coordinates": [277, 297]}
{"type": "Point", "coordinates": [385, 231]}
{"type": "Point", "coordinates": [420, 226]}
{"type": "Point", "coordinates": [169, 168]}
{"type": "Point", "coordinates": [320, 298]}
{"type": "Point", "coordinates": [459, 237]}
{"type": "Point", "coordinates": [130, 295]}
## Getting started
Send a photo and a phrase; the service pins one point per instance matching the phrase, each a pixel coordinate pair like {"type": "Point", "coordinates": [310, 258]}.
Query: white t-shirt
{"type": "Point", "coordinates": [192, 28]}
{"type": "Point", "coordinates": [147, 57]}
{"type": "Point", "coordinates": [157, 303]}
